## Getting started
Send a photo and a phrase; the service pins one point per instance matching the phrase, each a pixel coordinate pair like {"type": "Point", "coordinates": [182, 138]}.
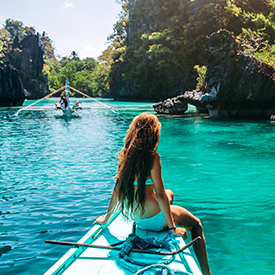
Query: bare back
{"type": "Point", "coordinates": [151, 205]}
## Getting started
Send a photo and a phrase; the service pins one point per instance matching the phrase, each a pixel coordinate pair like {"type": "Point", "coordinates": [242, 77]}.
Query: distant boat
{"type": "Point", "coordinates": [64, 103]}
{"type": "Point", "coordinates": [67, 112]}
{"type": "Point", "coordinates": [61, 105]}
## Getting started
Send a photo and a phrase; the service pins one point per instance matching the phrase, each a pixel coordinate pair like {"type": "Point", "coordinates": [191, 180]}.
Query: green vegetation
{"type": "Point", "coordinates": [158, 47]}
{"type": "Point", "coordinates": [164, 41]}
{"type": "Point", "coordinates": [88, 75]}
{"type": "Point", "coordinates": [201, 70]}
{"type": "Point", "coordinates": [14, 31]}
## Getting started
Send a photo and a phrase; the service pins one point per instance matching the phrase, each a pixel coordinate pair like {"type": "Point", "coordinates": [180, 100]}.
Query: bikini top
{"type": "Point", "coordinates": [148, 182]}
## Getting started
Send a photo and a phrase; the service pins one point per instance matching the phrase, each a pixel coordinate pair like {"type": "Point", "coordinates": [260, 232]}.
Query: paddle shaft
{"type": "Point", "coordinates": [119, 248]}
{"type": "Point", "coordinates": [105, 105]}
{"type": "Point", "coordinates": [25, 108]}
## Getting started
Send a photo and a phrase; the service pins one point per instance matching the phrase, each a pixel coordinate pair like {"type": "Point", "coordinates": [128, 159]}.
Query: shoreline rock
{"type": "Point", "coordinates": [236, 85]}
{"type": "Point", "coordinates": [173, 106]}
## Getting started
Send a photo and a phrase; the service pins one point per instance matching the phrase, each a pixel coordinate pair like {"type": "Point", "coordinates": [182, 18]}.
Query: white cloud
{"type": "Point", "coordinates": [88, 48]}
{"type": "Point", "coordinates": [69, 5]}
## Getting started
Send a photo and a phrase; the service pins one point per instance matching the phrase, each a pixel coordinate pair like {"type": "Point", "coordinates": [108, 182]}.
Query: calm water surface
{"type": "Point", "coordinates": [56, 177]}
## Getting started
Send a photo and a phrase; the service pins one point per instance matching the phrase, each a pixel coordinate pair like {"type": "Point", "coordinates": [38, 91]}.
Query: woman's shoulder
{"type": "Point", "coordinates": [156, 173]}
{"type": "Point", "coordinates": [157, 157]}
{"type": "Point", "coordinates": [156, 161]}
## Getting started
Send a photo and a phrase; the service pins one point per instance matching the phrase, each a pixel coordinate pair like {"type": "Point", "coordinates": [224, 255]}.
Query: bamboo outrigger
{"type": "Point", "coordinates": [70, 109]}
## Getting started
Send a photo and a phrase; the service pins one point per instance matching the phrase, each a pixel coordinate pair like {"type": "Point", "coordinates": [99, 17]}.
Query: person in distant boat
{"type": "Point", "coordinates": [77, 105]}
{"type": "Point", "coordinates": [67, 95]}
{"type": "Point", "coordinates": [63, 102]}
{"type": "Point", "coordinates": [139, 191]}
{"type": "Point", "coordinates": [58, 105]}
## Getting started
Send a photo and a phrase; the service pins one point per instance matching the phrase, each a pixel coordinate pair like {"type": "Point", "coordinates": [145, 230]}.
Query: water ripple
{"type": "Point", "coordinates": [56, 177]}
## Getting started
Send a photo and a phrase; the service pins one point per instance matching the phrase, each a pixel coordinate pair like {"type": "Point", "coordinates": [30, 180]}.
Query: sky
{"type": "Point", "coordinates": [73, 25]}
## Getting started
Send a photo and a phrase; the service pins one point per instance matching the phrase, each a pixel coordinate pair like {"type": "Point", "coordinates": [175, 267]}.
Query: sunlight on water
{"type": "Point", "coordinates": [56, 177]}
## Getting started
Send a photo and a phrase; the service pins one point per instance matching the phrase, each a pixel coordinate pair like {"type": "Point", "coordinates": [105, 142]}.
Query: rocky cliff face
{"type": "Point", "coordinates": [23, 64]}
{"type": "Point", "coordinates": [236, 85]}
{"type": "Point", "coordinates": [27, 58]}
{"type": "Point", "coordinates": [11, 88]}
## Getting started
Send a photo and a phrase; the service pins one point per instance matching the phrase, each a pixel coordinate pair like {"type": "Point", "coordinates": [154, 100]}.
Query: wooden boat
{"type": "Point", "coordinates": [68, 111]}
{"type": "Point", "coordinates": [96, 260]}
{"type": "Point", "coordinates": [58, 106]}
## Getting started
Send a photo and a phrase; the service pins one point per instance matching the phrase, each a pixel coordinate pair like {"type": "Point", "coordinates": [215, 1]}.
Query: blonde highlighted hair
{"type": "Point", "coordinates": [136, 161]}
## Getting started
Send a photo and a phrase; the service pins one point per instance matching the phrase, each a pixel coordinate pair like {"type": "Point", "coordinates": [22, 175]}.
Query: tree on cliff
{"type": "Point", "coordinates": [14, 31]}
{"type": "Point", "coordinates": [20, 50]}
{"type": "Point", "coordinates": [5, 43]}
{"type": "Point", "coordinates": [16, 28]}
{"type": "Point", "coordinates": [47, 47]}
{"type": "Point", "coordinates": [165, 39]}
{"type": "Point", "coordinates": [87, 75]}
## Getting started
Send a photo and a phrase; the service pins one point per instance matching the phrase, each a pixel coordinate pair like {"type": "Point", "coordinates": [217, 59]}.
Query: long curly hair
{"type": "Point", "coordinates": [135, 163]}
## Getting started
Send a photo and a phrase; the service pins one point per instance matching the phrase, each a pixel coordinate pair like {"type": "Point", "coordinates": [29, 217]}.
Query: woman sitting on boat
{"type": "Point", "coordinates": [139, 191]}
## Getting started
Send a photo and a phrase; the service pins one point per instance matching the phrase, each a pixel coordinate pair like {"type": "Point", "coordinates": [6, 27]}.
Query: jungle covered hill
{"type": "Point", "coordinates": [159, 46]}
{"type": "Point", "coordinates": [157, 49]}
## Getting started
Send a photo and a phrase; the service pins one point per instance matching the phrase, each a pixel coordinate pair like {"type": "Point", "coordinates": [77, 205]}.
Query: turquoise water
{"type": "Point", "coordinates": [56, 178]}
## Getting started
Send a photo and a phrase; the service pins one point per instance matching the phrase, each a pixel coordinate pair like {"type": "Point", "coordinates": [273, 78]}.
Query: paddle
{"type": "Point", "coordinates": [118, 248]}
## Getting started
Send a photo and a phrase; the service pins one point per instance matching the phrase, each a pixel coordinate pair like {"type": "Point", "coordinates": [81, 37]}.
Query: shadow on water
{"type": "Point", "coordinates": [33, 115]}
{"type": "Point", "coordinates": [4, 249]}
{"type": "Point", "coordinates": [204, 116]}
{"type": "Point", "coordinates": [67, 118]}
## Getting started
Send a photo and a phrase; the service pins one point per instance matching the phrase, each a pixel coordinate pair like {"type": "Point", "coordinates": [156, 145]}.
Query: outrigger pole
{"type": "Point", "coordinates": [105, 105]}
{"type": "Point", "coordinates": [16, 114]}
{"type": "Point", "coordinates": [64, 87]}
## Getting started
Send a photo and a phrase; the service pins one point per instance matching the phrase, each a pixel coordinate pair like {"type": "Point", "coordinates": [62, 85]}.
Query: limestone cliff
{"type": "Point", "coordinates": [236, 85]}
{"type": "Point", "coordinates": [11, 88]}
{"type": "Point", "coordinates": [27, 58]}
{"type": "Point", "coordinates": [23, 65]}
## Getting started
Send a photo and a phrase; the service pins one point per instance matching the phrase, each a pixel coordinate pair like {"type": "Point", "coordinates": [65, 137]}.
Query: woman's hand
{"type": "Point", "coordinates": [101, 220]}
{"type": "Point", "coordinates": [179, 231]}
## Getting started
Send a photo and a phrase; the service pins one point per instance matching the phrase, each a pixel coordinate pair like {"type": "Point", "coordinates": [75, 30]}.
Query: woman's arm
{"type": "Point", "coordinates": [160, 191]}
{"type": "Point", "coordinates": [104, 219]}
{"type": "Point", "coordinates": [162, 197]}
